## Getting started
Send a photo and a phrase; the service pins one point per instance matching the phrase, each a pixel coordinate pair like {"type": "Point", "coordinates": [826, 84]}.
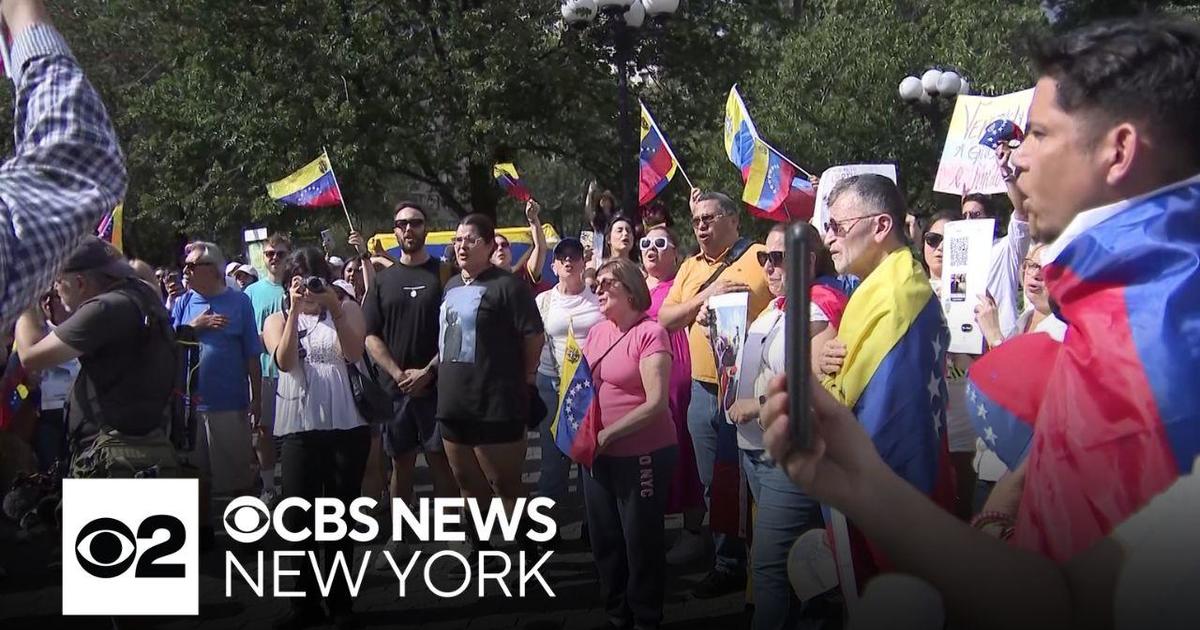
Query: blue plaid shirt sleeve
{"type": "Point", "coordinates": [67, 171]}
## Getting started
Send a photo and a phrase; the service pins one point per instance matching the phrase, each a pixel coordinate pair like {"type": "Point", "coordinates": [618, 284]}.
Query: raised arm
{"type": "Point", "coordinates": [67, 170]}
{"type": "Point", "coordinates": [537, 258]}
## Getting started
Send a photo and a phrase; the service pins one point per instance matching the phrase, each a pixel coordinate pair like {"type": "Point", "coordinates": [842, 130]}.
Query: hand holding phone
{"type": "Point", "coordinates": [798, 348]}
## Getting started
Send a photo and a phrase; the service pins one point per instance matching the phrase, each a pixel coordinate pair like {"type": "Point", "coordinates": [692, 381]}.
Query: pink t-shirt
{"type": "Point", "coordinates": [618, 379]}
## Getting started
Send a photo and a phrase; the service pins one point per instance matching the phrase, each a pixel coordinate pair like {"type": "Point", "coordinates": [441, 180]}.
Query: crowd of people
{"type": "Point", "coordinates": [1095, 272]}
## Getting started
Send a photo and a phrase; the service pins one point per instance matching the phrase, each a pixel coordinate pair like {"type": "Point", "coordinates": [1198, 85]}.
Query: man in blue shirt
{"type": "Point", "coordinates": [266, 298]}
{"type": "Point", "coordinates": [229, 375]}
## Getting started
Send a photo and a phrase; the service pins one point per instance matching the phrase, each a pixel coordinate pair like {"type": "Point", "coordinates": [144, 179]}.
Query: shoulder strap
{"type": "Point", "coordinates": [594, 366]}
{"type": "Point", "coordinates": [740, 247]}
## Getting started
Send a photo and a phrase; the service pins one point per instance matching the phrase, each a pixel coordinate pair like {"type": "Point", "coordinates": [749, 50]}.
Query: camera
{"type": "Point", "coordinates": [315, 284]}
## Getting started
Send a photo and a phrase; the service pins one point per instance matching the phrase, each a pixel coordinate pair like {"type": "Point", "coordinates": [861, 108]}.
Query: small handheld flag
{"type": "Point", "coordinates": [506, 175]}
{"type": "Point", "coordinates": [575, 427]}
{"type": "Point", "coordinates": [657, 162]}
{"type": "Point", "coordinates": [313, 186]}
{"type": "Point", "coordinates": [1001, 131]}
{"type": "Point", "coordinates": [111, 227]}
{"type": "Point", "coordinates": [740, 134]}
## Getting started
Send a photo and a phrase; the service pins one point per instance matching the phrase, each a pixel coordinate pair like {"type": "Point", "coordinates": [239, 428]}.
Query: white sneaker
{"type": "Point", "coordinates": [688, 547]}
{"type": "Point", "coordinates": [400, 551]}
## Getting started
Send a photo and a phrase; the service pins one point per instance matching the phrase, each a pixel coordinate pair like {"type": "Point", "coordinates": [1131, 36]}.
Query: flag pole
{"type": "Point", "coordinates": [341, 197]}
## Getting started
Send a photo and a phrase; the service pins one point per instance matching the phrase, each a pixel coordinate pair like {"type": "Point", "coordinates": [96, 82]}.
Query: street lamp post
{"type": "Point", "coordinates": [925, 92]}
{"type": "Point", "coordinates": [623, 18]}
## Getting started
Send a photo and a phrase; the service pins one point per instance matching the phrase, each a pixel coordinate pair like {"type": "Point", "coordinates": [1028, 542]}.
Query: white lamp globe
{"type": "Point", "coordinates": [949, 83]}
{"type": "Point", "coordinates": [661, 7]}
{"type": "Point", "coordinates": [930, 79]}
{"type": "Point", "coordinates": [636, 15]}
{"type": "Point", "coordinates": [910, 89]}
{"type": "Point", "coordinates": [578, 13]}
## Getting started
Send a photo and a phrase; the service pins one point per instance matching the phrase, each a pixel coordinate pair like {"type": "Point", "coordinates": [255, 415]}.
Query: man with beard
{"type": "Point", "coordinates": [401, 312]}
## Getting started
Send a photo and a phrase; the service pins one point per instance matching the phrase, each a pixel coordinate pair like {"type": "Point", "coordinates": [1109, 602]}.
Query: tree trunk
{"type": "Point", "coordinates": [483, 193]}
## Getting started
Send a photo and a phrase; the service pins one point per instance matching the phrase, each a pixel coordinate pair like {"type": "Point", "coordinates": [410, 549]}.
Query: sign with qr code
{"type": "Point", "coordinates": [967, 166]}
{"type": "Point", "coordinates": [835, 174]}
{"type": "Point", "coordinates": [967, 258]}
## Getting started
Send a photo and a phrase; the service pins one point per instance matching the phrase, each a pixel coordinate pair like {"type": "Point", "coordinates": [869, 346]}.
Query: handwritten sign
{"type": "Point", "coordinates": [966, 165]}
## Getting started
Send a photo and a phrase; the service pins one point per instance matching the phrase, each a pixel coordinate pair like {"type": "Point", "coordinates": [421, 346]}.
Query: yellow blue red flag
{"type": "Point", "coordinates": [575, 429]}
{"type": "Point", "coordinates": [313, 186]}
{"type": "Point", "coordinates": [111, 227]}
{"type": "Point", "coordinates": [740, 134]}
{"type": "Point", "coordinates": [506, 175]}
{"type": "Point", "coordinates": [657, 163]}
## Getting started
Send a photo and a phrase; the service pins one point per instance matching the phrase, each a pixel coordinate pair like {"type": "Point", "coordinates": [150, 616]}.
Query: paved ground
{"type": "Point", "coordinates": [31, 594]}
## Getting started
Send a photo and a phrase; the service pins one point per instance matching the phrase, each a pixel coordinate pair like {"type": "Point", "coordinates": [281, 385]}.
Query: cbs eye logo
{"type": "Point", "coordinates": [247, 519]}
{"type": "Point", "coordinates": [107, 548]}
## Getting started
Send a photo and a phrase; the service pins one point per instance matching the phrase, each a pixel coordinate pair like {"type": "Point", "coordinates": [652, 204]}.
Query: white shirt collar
{"type": "Point", "coordinates": [1088, 219]}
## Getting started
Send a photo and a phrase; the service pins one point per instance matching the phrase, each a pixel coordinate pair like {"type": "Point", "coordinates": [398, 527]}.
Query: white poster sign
{"type": "Point", "coordinates": [835, 174]}
{"type": "Point", "coordinates": [966, 259]}
{"type": "Point", "coordinates": [967, 166]}
{"type": "Point", "coordinates": [727, 332]}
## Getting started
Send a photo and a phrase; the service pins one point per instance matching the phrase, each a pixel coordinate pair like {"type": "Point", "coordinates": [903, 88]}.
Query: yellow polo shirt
{"type": "Point", "coordinates": [692, 273]}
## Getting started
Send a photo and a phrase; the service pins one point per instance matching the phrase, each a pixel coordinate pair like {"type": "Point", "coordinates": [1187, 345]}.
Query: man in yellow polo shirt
{"type": "Point", "coordinates": [726, 263]}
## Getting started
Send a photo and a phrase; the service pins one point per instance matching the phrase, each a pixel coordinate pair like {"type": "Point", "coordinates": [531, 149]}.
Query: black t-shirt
{"type": "Point", "coordinates": [402, 310]}
{"type": "Point", "coordinates": [128, 362]}
{"type": "Point", "coordinates": [482, 333]}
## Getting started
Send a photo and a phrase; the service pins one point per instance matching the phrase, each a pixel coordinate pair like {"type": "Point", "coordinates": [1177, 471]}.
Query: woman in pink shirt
{"type": "Point", "coordinates": [660, 259]}
{"type": "Point", "coordinates": [625, 491]}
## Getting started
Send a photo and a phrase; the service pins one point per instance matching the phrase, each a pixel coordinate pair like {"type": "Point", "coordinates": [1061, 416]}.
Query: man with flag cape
{"type": "Point", "coordinates": [893, 375]}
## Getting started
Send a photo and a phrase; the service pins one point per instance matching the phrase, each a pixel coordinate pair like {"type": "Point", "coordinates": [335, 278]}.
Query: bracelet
{"type": "Point", "coordinates": [984, 519]}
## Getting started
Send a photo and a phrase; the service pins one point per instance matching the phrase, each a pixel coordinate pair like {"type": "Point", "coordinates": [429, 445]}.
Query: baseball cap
{"type": "Point", "coordinates": [93, 254]}
{"type": "Point", "coordinates": [247, 269]}
{"type": "Point", "coordinates": [568, 244]}
{"type": "Point", "coordinates": [231, 267]}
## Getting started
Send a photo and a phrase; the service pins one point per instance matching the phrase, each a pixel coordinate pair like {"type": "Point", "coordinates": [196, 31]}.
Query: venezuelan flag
{"type": "Point", "coordinates": [740, 134]}
{"type": "Point", "coordinates": [768, 179]}
{"type": "Point", "coordinates": [575, 428]}
{"type": "Point", "coordinates": [894, 373]}
{"type": "Point", "coordinates": [657, 164]}
{"type": "Point", "coordinates": [1119, 420]}
{"type": "Point", "coordinates": [111, 227]}
{"type": "Point", "coordinates": [313, 186]}
{"type": "Point", "coordinates": [1003, 394]}
{"type": "Point", "coordinates": [14, 389]}
{"type": "Point", "coordinates": [506, 175]}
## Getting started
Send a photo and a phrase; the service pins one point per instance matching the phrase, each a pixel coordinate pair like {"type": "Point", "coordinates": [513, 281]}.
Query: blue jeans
{"type": "Point", "coordinates": [556, 467]}
{"type": "Point", "coordinates": [784, 512]}
{"type": "Point", "coordinates": [703, 418]}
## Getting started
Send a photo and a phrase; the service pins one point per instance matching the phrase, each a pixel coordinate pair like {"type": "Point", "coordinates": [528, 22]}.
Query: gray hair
{"type": "Point", "coordinates": [878, 193]}
{"type": "Point", "coordinates": [209, 252]}
{"type": "Point", "coordinates": [726, 205]}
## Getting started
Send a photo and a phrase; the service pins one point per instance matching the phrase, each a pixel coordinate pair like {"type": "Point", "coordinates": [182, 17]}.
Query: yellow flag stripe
{"type": "Point", "coordinates": [877, 316]}
{"type": "Point", "coordinates": [301, 179]}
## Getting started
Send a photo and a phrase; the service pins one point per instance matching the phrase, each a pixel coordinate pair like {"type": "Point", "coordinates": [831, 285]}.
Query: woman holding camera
{"type": "Point", "coordinates": [325, 440]}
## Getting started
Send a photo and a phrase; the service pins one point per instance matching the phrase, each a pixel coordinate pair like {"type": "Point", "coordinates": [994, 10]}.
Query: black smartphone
{"type": "Point", "coordinates": [798, 354]}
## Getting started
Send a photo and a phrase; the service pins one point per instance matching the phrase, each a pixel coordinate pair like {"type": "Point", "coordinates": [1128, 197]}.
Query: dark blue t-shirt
{"type": "Point", "coordinates": [223, 380]}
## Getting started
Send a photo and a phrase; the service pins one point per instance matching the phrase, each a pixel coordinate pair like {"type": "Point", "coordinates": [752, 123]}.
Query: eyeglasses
{"type": "Point", "coordinates": [191, 266]}
{"type": "Point", "coordinates": [775, 258]}
{"type": "Point", "coordinates": [466, 241]}
{"type": "Point", "coordinates": [404, 224]}
{"type": "Point", "coordinates": [706, 219]}
{"type": "Point", "coordinates": [933, 240]}
{"type": "Point", "coordinates": [1032, 267]}
{"type": "Point", "coordinates": [843, 227]}
{"type": "Point", "coordinates": [274, 253]}
{"type": "Point", "coordinates": [604, 285]}
{"type": "Point", "coordinates": [661, 243]}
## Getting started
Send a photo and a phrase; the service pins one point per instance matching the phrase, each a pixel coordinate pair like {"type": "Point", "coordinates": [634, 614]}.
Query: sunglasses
{"type": "Point", "coordinates": [841, 228]}
{"type": "Point", "coordinates": [775, 258]}
{"type": "Point", "coordinates": [404, 224]}
{"type": "Point", "coordinates": [604, 285]}
{"type": "Point", "coordinates": [272, 253]}
{"type": "Point", "coordinates": [191, 266]}
{"type": "Point", "coordinates": [569, 256]}
{"type": "Point", "coordinates": [706, 219]}
{"type": "Point", "coordinates": [933, 240]}
{"type": "Point", "coordinates": [661, 243]}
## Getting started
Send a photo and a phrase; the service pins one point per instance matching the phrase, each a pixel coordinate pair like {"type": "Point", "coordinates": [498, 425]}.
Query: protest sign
{"type": "Point", "coordinates": [966, 259]}
{"type": "Point", "coordinates": [966, 165]}
{"type": "Point", "coordinates": [835, 174]}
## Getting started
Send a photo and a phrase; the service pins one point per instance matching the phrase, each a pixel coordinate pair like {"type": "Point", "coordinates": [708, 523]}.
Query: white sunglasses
{"type": "Point", "coordinates": [661, 243]}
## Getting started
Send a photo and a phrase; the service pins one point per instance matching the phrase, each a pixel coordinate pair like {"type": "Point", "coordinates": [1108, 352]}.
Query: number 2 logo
{"type": "Point", "coordinates": [106, 548]}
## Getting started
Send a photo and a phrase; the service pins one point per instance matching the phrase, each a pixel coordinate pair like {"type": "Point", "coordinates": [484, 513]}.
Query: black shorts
{"type": "Point", "coordinates": [413, 426]}
{"type": "Point", "coordinates": [478, 433]}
